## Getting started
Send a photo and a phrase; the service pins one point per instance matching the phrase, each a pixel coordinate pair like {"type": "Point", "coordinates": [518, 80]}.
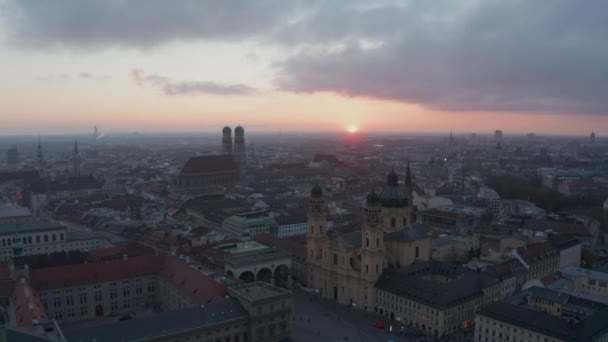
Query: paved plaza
{"type": "Point", "coordinates": [318, 320]}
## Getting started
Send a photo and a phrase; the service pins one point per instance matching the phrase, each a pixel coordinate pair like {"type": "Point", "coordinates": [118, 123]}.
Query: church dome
{"type": "Point", "coordinates": [394, 196]}
{"type": "Point", "coordinates": [373, 198]}
{"type": "Point", "coordinates": [227, 130]}
{"type": "Point", "coordinates": [316, 191]}
{"type": "Point", "coordinates": [239, 130]}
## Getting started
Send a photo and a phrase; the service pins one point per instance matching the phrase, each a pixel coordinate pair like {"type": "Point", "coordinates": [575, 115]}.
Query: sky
{"type": "Point", "coordinates": [311, 65]}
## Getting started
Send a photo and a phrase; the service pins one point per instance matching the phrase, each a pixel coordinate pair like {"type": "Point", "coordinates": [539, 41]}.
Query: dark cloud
{"type": "Point", "coordinates": [491, 55]}
{"type": "Point", "coordinates": [548, 56]}
{"type": "Point", "coordinates": [139, 23]}
{"type": "Point", "coordinates": [171, 87]}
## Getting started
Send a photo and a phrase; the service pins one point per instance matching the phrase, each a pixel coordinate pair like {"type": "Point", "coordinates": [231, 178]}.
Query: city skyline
{"type": "Point", "coordinates": [318, 66]}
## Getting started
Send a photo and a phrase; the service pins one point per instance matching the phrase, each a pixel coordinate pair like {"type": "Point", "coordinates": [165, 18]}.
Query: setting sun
{"type": "Point", "coordinates": [352, 128]}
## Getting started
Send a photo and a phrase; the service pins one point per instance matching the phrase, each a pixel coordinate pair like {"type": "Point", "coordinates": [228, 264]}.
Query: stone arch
{"type": "Point", "coordinates": [247, 277]}
{"type": "Point", "coordinates": [229, 273]}
{"type": "Point", "coordinates": [265, 275]}
{"type": "Point", "coordinates": [281, 276]}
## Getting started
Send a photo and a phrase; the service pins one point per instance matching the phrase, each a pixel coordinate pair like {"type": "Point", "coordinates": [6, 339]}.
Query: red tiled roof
{"type": "Point", "coordinates": [200, 287]}
{"type": "Point", "coordinates": [6, 287]}
{"type": "Point", "coordinates": [105, 252]}
{"type": "Point", "coordinates": [209, 164]}
{"type": "Point", "coordinates": [28, 308]}
{"type": "Point", "coordinates": [536, 251]}
{"type": "Point", "coordinates": [96, 272]}
{"type": "Point", "coordinates": [551, 278]}
{"type": "Point", "coordinates": [190, 281]}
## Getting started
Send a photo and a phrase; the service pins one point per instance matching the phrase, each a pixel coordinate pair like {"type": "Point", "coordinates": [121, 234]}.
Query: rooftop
{"type": "Point", "coordinates": [31, 226]}
{"type": "Point", "coordinates": [530, 318]}
{"type": "Point", "coordinates": [209, 164]}
{"type": "Point", "coordinates": [414, 232]}
{"type": "Point", "coordinates": [435, 284]}
{"type": "Point", "coordinates": [577, 272]}
{"type": "Point", "coordinates": [257, 291]}
{"type": "Point", "coordinates": [166, 324]}
{"type": "Point", "coordinates": [14, 211]}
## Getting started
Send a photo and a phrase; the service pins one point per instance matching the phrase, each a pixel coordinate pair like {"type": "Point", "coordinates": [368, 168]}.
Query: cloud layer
{"type": "Point", "coordinates": [171, 87]}
{"type": "Point", "coordinates": [491, 55]}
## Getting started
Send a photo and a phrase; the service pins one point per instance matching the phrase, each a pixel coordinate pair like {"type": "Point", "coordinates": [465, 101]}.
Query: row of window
{"type": "Point", "coordinates": [7, 242]}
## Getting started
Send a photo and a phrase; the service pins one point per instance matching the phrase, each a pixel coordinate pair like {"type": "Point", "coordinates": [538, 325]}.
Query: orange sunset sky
{"type": "Point", "coordinates": [300, 66]}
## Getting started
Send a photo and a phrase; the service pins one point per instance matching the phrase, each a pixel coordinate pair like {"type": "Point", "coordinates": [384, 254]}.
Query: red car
{"type": "Point", "coordinates": [379, 325]}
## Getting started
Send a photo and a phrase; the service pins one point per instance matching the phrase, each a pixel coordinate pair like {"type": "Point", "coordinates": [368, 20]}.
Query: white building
{"type": "Point", "coordinates": [43, 236]}
{"type": "Point", "coordinates": [492, 199]}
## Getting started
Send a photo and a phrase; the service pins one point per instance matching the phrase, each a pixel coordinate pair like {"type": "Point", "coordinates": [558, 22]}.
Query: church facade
{"type": "Point", "coordinates": [345, 267]}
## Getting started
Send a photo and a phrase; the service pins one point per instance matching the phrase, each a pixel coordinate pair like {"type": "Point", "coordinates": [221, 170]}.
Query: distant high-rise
{"type": "Point", "coordinates": [40, 164]}
{"type": "Point", "coordinates": [592, 137]}
{"type": "Point", "coordinates": [96, 133]}
{"type": "Point", "coordinates": [76, 162]}
{"type": "Point", "coordinates": [498, 135]}
{"type": "Point", "coordinates": [12, 156]}
{"type": "Point", "coordinates": [227, 140]}
{"type": "Point", "coordinates": [451, 138]}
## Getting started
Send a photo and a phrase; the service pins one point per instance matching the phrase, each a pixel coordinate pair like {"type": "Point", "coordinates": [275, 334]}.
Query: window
{"type": "Point", "coordinates": [37, 239]}
{"type": "Point", "coordinates": [393, 222]}
{"type": "Point", "coordinates": [405, 221]}
{"type": "Point", "coordinates": [83, 298]}
{"type": "Point", "coordinates": [377, 243]}
{"type": "Point", "coordinates": [366, 242]}
{"type": "Point", "coordinates": [417, 251]}
{"type": "Point", "coordinates": [335, 259]}
{"type": "Point", "coordinates": [46, 238]}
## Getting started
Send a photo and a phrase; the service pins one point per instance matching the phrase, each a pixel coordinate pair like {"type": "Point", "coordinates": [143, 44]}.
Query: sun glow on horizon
{"type": "Point", "coordinates": [352, 128]}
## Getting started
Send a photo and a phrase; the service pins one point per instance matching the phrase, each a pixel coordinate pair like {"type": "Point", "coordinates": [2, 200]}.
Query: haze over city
{"type": "Point", "coordinates": [303, 170]}
{"type": "Point", "coordinates": [400, 66]}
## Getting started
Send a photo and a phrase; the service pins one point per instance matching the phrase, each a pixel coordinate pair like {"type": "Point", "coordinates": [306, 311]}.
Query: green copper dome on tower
{"type": "Point", "coordinates": [393, 196]}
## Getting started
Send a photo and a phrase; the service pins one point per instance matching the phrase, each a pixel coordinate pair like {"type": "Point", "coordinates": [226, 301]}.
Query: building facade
{"type": "Point", "coordinates": [345, 267]}
{"type": "Point", "coordinates": [435, 297]}
{"type": "Point", "coordinates": [43, 237]}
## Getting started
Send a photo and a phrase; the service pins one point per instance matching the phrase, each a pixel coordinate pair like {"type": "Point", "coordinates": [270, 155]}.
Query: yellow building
{"type": "Point", "coordinates": [345, 267]}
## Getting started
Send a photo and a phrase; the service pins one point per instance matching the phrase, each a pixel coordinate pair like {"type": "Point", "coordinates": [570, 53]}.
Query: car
{"type": "Point", "coordinates": [125, 317]}
{"type": "Point", "coordinates": [379, 325]}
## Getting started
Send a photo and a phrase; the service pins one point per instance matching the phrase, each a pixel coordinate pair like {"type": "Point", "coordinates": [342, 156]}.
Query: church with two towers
{"type": "Point", "coordinates": [345, 267]}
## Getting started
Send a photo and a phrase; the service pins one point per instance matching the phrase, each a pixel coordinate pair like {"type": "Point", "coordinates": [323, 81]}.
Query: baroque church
{"type": "Point", "coordinates": [345, 267]}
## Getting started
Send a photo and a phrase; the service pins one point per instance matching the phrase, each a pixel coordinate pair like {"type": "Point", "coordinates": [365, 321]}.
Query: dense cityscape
{"type": "Point", "coordinates": [303, 171]}
{"type": "Point", "coordinates": [346, 236]}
